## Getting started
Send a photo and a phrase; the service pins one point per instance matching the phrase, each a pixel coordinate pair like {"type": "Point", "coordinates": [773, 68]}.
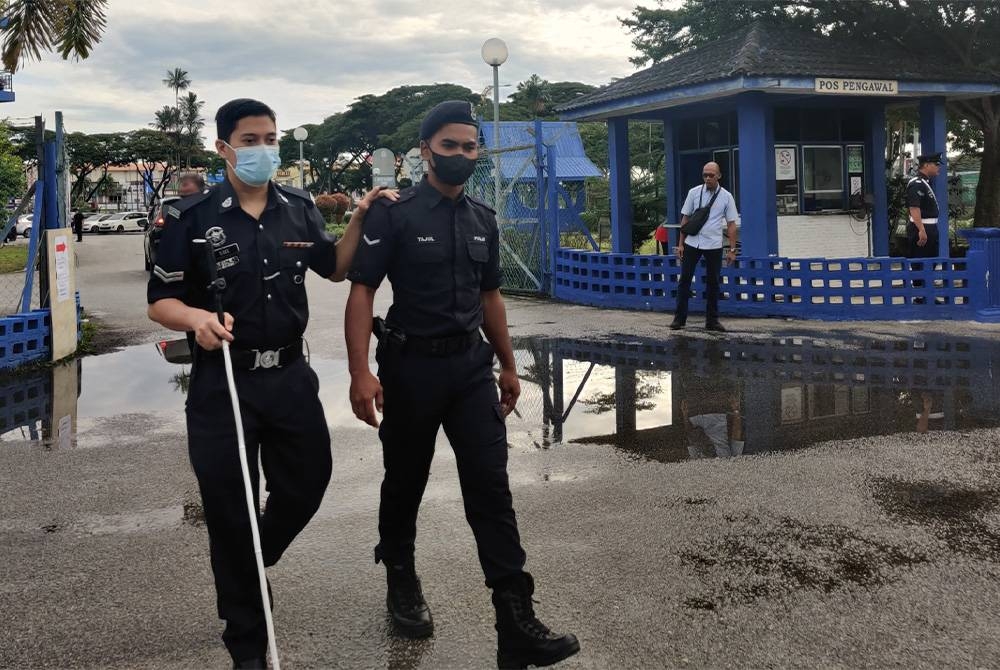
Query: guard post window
{"type": "Point", "coordinates": [822, 178]}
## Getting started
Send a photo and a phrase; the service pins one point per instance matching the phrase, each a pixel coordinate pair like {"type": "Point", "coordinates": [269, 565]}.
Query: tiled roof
{"type": "Point", "coordinates": [763, 49]}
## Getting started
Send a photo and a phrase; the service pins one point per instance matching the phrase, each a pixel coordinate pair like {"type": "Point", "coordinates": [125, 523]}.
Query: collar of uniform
{"type": "Point", "coordinates": [230, 201]}
{"type": "Point", "coordinates": [431, 197]}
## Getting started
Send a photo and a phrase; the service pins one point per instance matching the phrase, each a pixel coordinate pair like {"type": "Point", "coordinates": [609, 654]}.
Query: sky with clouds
{"type": "Point", "coordinates": [311, 58]}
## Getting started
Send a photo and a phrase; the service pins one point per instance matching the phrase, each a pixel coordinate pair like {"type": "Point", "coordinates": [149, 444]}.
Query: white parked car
{"type": "Point", "coordinates": [91, 222]}
{"type": "Point", "coordinates": [22, 228]}
{"type": "Point", "coordinates": [121, 222]}
{"type": "Point", "coordinates": [23, 225]}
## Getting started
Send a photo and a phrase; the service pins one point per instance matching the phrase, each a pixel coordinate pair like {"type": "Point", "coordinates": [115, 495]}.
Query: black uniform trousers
{"type": "Point", "coordinates": [929, 250]}
{"type": "Point", "coordinates": [421, 393]}
{"type": "Point", "coordinates": [689, 265]}
{"type": "Point", "coordinates": [283, 421]}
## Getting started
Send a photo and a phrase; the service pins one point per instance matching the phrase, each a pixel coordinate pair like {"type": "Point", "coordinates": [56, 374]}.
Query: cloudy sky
{"type": "Point", "coordinates": [311, 58]}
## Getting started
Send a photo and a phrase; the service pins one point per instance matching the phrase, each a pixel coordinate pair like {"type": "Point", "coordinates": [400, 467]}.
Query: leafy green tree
{"type": "Point", "coordinates": [12, 178]}
{"type": "Point", "coordinates": [72, 28]}
{"type": "Point", "coordinates": [533, 93]}
{"type": "Point", "coordinates": [337, 148]}
{"type": "Point", "coordinates": [90, 154]}
{"type": "Point", "coordinates": [962, 31]}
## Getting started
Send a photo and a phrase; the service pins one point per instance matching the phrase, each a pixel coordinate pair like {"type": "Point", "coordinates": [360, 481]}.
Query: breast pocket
{"type": "Point", "coordinates": [426, 252]}
{"type": "Point", "coordinates": [479, 252]}
{"type": "Point", "coordinates": [426, 266]}
{"type": "Point", "coordinates": [293, 266]}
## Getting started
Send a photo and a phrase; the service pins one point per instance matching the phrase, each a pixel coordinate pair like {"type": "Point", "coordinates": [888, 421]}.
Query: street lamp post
{"type": "Point", "coordinates": [495, 54]}
{"type": "Point", "coordinates": [300, 134]}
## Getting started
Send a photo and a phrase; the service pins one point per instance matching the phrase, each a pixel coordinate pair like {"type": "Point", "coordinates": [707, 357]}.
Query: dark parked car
{"type": "Point", "coordinates": [151, 240]}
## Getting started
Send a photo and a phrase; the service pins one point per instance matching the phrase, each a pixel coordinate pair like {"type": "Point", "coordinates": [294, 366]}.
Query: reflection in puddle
{"type": "Point", "coordinates": [688, 398]}
{"type": "Point", "coordinates": [665, 400]}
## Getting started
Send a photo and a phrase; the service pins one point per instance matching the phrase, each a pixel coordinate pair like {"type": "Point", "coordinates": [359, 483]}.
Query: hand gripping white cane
{"type": "Point", "coordinates": [216, 287]}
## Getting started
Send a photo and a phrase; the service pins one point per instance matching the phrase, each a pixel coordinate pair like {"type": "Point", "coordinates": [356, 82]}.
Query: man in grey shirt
{"type": "Point", "coordinates": [707, 243]}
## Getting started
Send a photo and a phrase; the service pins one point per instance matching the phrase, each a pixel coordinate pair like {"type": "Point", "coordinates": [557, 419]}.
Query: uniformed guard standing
{"type": "Point", "coordinates": [439, 248]}
{"type": "Point", "coordinates": [264, 237]}
{"type": "Point", "coordinates": [922, 230]}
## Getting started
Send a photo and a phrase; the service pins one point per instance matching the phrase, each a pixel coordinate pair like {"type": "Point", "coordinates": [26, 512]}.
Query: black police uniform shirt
{"type": "Point", "coordinates": [919, 193]}
{"type": "Point", "coordinates": [439, 255]}
{"type": "Point", "coordinates": [262, 261]}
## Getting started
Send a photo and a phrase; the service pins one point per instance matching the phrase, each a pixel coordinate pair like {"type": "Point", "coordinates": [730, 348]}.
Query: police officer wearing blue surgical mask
{"type": "Point", "coordinates": [439, 247]}
{"type": "Point", "coordinates": [263, 238]}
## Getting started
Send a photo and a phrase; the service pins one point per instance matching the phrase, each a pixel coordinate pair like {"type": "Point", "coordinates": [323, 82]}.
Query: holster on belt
{"type": "Point", "coordinates": [387, 335]}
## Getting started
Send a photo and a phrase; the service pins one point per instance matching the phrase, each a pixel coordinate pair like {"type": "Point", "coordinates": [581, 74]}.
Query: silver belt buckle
{"type": "Point", "coordinates": [266, 359]}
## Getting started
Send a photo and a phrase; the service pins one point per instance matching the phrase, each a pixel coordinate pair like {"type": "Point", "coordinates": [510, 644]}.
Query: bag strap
{"type": "Point", "coordinates": [715, 195]}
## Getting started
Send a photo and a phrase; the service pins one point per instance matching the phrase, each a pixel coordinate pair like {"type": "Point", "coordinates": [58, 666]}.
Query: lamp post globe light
{"type": "Point", "coordinates": [495, 54]}
{"type": "Point", "coordinates": [300, 134]}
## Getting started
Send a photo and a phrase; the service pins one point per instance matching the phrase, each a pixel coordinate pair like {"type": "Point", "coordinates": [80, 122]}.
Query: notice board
{"type": "Point", "coordinates": [62, 291]}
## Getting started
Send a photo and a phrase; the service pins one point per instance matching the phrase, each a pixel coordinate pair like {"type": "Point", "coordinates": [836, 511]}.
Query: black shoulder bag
{"type": "Point", "coordinates": [696, 221]}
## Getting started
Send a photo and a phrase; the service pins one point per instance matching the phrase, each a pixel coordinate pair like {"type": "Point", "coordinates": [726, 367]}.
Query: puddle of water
{"type": "Point", "coordinates": [664, 400]}
{"type": "Point", "coordinates": [690, 398]}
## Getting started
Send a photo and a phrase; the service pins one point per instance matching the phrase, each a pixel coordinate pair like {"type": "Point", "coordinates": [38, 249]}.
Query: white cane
{"type": "Point", "coordinates": [216, 287]}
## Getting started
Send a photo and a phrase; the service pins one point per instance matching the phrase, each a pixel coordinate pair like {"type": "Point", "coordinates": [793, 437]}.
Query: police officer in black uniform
{"type": "Point", "coordinates": [263, 238]}
{"type": "Point", "coordinates": [922, 230]}
{"type": "Point", "coordinates": [439, 248]}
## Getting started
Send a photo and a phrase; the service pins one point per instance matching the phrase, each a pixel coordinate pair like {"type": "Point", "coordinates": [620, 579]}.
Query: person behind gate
{"type": "Point", "coordinates": [440, 249]}
{"type": "Point", "coordinates": [706, 243]}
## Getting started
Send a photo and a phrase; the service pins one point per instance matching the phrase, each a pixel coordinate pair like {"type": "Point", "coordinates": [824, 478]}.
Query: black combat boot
{"type": "Point", "coordinates": [522, 639]}
{"type": "Point", "coordinates": [406, 603]}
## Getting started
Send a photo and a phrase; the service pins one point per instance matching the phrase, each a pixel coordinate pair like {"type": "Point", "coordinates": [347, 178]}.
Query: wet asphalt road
{"type": "Point", "coordinates": [881, 551]}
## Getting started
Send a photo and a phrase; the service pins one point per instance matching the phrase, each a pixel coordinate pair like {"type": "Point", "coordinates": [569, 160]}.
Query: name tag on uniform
{"type": "Point", "coordinates": [297, 245]}
{"type": "Point", "coordinates": [227, 256]}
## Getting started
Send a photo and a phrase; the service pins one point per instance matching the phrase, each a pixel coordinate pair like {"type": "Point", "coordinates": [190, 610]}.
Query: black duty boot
{"type": "Point", "coordinates": [406, 603]}
{"type": "Point", "coordinates": [258, 663]}
{"type": "Point", "coordinates": [522, 639]}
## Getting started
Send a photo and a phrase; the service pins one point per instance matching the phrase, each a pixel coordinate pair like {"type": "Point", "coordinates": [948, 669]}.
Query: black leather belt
{"type": "Point", "coordinates": [258, 359]}
{"type": "Point", "coordinates": [441, 346]}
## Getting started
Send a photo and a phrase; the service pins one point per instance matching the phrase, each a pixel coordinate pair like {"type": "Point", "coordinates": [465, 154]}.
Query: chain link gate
{"type": "Point", "coordinates": [522, 235]}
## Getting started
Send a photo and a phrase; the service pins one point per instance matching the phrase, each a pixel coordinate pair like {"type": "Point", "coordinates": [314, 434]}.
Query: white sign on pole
{"type": "Point", "coordinates": [784, 163]}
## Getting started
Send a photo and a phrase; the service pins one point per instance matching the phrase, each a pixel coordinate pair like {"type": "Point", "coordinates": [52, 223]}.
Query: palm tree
{"type": "Point", "coordinates": [70, 27]}
{"type": "Point", "coordinates": [168, 119]}
{"type": "Point", "coordinates": [535, 92]}
{"type": "Point", "coordinates": [178, 80]}
{"type": "Point", "coordinates": [191, 122]}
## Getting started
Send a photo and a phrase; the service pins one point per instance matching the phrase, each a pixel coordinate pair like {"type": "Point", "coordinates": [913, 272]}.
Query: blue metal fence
{"type": "Point", "coordinates": [26, 337]}
{"type": "Point", "coordinates": [817, 288]}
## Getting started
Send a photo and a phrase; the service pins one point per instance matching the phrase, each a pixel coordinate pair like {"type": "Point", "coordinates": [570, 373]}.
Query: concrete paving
{"type": "Point", "coordinates": [880, 551]}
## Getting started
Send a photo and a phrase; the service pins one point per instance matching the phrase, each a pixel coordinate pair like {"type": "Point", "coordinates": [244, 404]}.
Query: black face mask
{"type": "Point", "coordinates": [453, 170]}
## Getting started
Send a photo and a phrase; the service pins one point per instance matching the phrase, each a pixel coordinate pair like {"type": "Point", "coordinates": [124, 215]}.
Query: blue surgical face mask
{"type": "Point", "coordinates": [255, 165]}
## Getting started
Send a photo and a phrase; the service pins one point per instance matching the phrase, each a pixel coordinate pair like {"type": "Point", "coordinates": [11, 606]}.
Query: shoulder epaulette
{"type": "Point", "coordinates": [404, 195]}
{"type": "Point", "coordinates": [297, 192]}
{"type": "Point", "coordinates": [480, 203]}
{"type": "Point", "coordinates": [175, 209]}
